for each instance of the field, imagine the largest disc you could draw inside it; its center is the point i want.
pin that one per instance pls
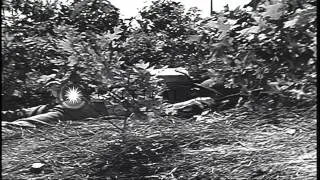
(233, 144)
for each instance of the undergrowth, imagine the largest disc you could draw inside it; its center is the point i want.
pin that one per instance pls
(233, 144)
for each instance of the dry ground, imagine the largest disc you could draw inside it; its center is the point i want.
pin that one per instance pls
(234, 144)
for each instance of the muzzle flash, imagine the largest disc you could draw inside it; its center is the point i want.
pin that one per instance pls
(71, 97)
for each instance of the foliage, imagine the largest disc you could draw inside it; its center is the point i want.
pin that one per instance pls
(273, 50)
(163, 36)
(27, 49)
(69, 52)
(164, 16)
(267, 49)
(95, 15)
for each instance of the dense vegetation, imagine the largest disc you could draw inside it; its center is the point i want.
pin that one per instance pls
(267, 49)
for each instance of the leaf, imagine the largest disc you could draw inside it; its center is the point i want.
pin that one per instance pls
(290, 23)
(224, 29)
(314, 49)
(17, 93)
(194, 38)
(253, 3)
(46, 78)
(250, 30)
(79, 6)
(115, 35)
(142, 65)
(273, 11)
(220, 25)
(66, 45)
(72, 61)
(159, 45)
(306, 16)
(117, 30)
(262, 37)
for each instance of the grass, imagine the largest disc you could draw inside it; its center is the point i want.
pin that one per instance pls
(233, 144)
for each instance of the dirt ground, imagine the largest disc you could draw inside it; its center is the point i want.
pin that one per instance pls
(233, 144)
